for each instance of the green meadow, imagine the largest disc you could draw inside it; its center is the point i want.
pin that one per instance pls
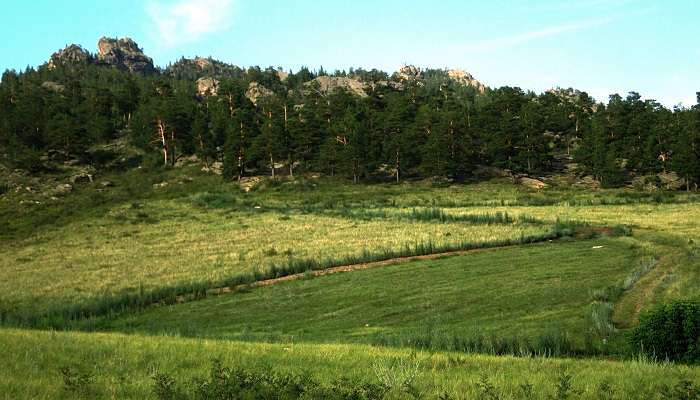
(516, 293)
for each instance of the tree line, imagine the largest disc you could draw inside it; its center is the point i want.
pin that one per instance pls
(426, 127)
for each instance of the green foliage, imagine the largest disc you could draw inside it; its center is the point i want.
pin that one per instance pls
(670, 331)
(226, 383)
(438, 128)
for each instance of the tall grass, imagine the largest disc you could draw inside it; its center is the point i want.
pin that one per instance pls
(437, 215)
(550, 344)
(601, 308)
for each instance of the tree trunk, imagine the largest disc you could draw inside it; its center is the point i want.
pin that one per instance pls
(398, 166)
(201, 146)
(240, 154)
(354, 170)
(161, 133)
(173, 153)
(272, 166)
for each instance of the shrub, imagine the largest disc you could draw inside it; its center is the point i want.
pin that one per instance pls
(670, 331)
(235, 383)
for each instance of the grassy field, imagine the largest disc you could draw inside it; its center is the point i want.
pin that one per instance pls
(506, 293)
(168, 242)
(123, 366)
(123, 248)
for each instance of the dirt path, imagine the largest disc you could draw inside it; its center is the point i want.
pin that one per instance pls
(629, 307)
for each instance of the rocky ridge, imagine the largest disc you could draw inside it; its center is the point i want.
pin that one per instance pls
(124, 54)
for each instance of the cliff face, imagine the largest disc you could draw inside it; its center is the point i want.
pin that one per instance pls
(124, 54)
(465, 78)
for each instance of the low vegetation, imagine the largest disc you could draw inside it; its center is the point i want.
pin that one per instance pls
(55, 365)
(181, 266)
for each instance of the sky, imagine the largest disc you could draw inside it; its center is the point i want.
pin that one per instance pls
(599, 46)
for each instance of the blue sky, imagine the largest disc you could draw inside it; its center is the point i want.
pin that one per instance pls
(601, 46)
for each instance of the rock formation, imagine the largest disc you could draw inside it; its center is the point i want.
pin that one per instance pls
(53, 86)
(124, 54)
(72, 54)
(207, 86)
(466, 79)
(328, 84)
(257, 91)
(408, 72)
(199, 67)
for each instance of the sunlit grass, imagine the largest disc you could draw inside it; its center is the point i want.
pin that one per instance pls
(122, 366)
(167, 242)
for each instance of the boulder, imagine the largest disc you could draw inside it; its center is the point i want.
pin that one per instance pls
(671, 181)
(53, 87)
(257, 91)
(588, 182)
(81, 178)
(216, 168)
(124, 54)
(249, 183)
(532, 183)
(62, 189)
(189, 160)
(207, 86)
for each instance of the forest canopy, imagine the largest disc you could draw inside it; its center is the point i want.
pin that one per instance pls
(357, 124)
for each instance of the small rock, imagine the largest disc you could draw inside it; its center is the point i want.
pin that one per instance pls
(63, 189)
(107, 184)
(532, 183)
(160, 185)
(216, 168)
(81, 178)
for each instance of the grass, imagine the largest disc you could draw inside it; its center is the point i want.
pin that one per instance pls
(167, 243)
(111, 252)
(523, 292)
(124, 367)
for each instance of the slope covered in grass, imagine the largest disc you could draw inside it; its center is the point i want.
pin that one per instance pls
(527, 292)
(160, 243)
(124, 366)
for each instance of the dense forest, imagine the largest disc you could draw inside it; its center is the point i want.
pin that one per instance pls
(396, 126)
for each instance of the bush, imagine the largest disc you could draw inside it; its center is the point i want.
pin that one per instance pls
(235, 383)
(670, 331)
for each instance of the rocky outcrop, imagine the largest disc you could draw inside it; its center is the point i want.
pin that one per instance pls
(53, 86)
(282, 75)
(532, 183)
(328, 84)
(199, 67)
(408, 72)
(207, 86)
(124, 54)
(257, 91)
(71, 55)
(466, 79)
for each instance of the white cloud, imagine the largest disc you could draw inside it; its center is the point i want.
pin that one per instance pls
(187, 21)
(503, 42)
